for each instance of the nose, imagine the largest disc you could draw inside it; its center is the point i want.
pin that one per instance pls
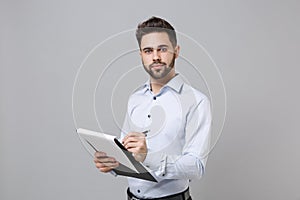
(156, 55)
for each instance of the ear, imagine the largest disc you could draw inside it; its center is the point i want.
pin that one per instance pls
(176, 51)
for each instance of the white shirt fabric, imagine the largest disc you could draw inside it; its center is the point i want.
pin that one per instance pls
(178, 119)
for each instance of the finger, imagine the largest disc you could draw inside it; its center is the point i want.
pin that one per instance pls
(133, 139)
(141, 147)
(107, 165)
(130, 145)
(133, 150)
(133, 134)
(99, 154)
(105, 160)
(106, 168)
(141, 140)
(137, 151)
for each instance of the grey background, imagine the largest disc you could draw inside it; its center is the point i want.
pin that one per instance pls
(254, 43)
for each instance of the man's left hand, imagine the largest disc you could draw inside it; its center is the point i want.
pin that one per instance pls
(136, 143)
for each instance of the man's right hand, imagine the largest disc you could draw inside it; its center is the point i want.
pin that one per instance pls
(105, 163)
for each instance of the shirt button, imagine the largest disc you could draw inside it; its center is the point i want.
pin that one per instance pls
(154, 98)
(149, 116)
(163, 174)
(138, 191)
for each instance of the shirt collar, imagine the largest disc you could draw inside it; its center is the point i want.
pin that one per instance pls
(175, 83)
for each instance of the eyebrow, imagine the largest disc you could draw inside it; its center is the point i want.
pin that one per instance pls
(159, 46)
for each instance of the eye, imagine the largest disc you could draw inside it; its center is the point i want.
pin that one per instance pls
(164, 49)
(148, 51)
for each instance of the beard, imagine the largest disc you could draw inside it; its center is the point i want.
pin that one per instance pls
(162, 72)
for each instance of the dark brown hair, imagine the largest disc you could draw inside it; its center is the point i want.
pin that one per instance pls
(155, 24)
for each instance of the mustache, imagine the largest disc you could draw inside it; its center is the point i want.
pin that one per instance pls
(155, 63)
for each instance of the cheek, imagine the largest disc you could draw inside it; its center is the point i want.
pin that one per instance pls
(167, 58)
(146, 60)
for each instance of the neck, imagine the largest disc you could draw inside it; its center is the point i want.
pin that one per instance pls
(157, 84)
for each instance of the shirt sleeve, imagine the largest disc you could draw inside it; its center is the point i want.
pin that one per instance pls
(191, 163)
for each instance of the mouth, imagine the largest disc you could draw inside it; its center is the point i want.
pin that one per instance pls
(156, 66)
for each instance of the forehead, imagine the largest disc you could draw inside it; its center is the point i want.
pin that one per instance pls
(155, 39)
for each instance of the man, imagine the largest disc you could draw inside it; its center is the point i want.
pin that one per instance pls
(176, 116)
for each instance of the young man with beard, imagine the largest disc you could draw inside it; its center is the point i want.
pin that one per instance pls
(177, 115)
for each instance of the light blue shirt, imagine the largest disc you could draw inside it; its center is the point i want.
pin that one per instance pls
(179, 120)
